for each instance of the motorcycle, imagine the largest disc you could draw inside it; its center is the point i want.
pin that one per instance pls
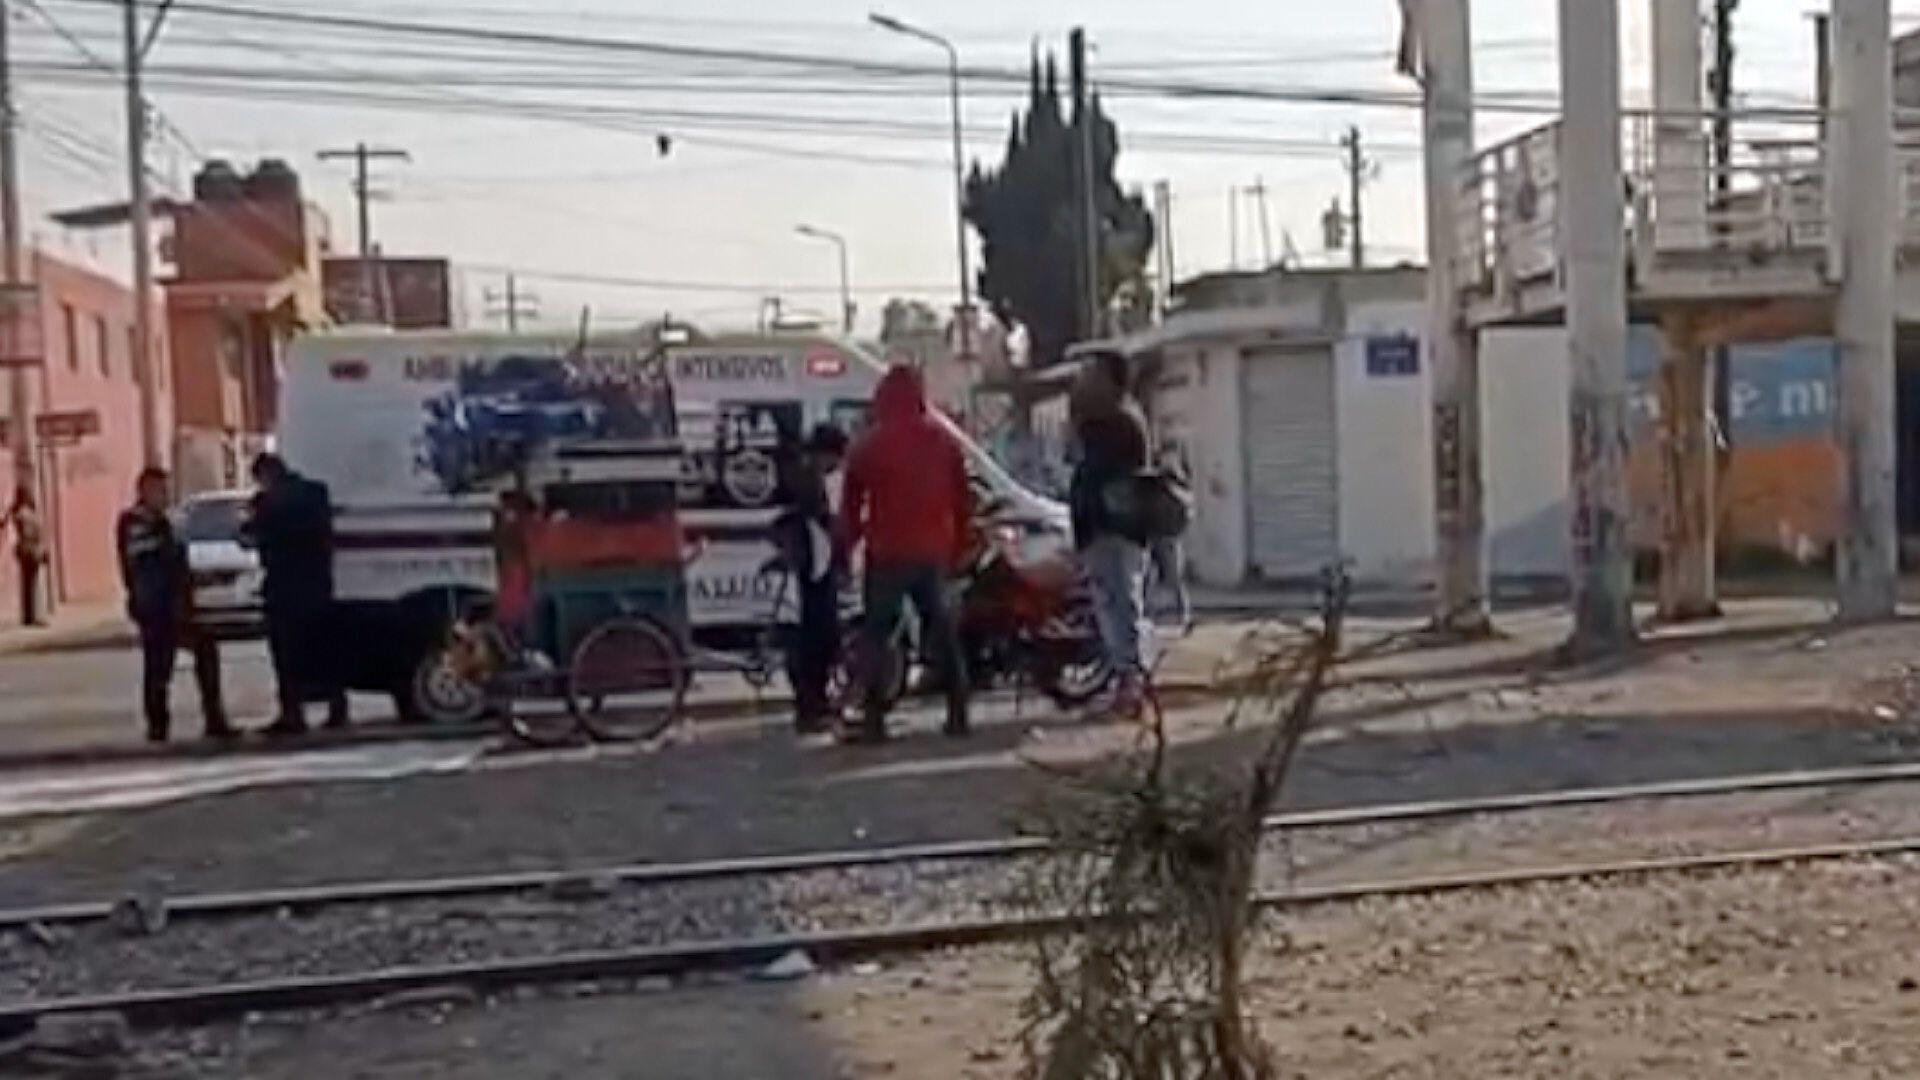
(1031, 624)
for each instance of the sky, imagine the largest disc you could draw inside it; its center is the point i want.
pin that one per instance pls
(544, 160)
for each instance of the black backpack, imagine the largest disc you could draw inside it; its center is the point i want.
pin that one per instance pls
(1150, 505)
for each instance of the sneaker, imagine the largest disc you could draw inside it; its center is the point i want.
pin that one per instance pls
(286, 727)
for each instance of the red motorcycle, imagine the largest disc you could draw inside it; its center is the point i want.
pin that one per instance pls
(1031, 623)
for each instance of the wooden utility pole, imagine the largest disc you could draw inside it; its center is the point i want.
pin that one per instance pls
(1358, 168)
(1862, 201)
(363, 194)
(512, 304)
(140, 218)
(1593, 248)
(13, 315)
(1444, 32)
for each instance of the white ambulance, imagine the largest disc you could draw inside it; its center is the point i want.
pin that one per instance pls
(401, 427)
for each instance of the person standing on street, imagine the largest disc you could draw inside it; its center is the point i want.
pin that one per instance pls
(29, 553)
(804, 534)
(292, 526)
(153, 567)
(1112, 438)
(1168, 557)
(908, 500)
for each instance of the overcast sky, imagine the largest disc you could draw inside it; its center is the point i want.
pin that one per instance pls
(712, 224)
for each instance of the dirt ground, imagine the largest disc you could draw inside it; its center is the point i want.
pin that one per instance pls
(1783, 973)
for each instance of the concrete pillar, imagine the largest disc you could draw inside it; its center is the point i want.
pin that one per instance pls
(1460, 523)
(1679, 131)
(1593, 251)
(1687, 466)
(1861, 179)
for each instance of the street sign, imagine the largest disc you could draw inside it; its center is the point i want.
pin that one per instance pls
(67, 427)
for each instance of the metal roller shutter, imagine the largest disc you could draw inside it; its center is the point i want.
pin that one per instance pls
(1293, 495)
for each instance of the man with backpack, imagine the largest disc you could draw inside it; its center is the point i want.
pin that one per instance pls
(1111, 435)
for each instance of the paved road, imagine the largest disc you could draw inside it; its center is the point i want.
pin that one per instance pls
(90, 697)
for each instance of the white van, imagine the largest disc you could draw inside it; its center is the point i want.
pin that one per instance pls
(360, 411)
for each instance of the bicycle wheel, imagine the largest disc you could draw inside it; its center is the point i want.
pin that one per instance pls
(847, 688)
(628, 680)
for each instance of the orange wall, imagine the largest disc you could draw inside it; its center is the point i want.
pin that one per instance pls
(1781, 495)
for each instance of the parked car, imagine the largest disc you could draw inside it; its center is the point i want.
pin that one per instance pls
(226, 572)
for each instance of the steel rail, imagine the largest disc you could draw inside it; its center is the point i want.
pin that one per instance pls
(191, 1005)
(308, 898)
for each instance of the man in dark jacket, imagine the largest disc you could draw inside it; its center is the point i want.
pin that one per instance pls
(907, 499)
(292, 527)
(1112, 438)
(805, 537)
(153, 566)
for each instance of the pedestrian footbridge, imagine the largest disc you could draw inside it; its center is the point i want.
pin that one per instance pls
(1751, 241)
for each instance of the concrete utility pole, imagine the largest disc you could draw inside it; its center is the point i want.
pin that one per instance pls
(1233, 226)
(1862, 207)
(1163, 248)
(1086, 189)
(140, 216)
(1688, 507)
(1593, 247)
(363, 194)
(1358, 168)
(1444, 32)
(19, 378)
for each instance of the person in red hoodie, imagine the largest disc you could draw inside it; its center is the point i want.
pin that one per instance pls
(906, 497)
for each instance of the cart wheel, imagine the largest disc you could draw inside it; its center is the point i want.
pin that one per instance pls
(628, 680)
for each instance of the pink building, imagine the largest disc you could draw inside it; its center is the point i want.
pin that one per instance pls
(78, 344)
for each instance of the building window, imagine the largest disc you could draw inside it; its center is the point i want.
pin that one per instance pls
(71, 322)
(106, 347)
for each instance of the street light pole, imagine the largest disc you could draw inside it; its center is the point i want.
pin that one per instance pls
(846, 287)
(888, 22)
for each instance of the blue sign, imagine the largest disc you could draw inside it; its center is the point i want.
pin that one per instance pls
(1393, 356)
(1778, 392)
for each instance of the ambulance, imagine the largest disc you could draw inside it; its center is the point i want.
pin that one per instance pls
(414, 434)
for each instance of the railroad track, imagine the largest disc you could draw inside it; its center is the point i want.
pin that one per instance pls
(207, 1003)
(309, 898)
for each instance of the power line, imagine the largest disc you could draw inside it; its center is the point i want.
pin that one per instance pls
(542, 39)
(223, 84)
(670, 285)
(102, 64)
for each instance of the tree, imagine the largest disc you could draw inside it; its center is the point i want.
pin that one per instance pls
(1027, 214)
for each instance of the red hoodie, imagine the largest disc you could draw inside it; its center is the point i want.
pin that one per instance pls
(906, 490)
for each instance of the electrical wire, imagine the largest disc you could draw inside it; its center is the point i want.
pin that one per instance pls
(669, 285)
(1193, 90)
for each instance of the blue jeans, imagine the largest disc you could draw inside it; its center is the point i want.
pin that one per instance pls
(1117, 569)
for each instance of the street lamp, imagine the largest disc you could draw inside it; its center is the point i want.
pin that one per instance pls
(888, 22)
(846, 290)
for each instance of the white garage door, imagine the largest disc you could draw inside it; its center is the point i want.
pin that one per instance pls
(1293, 495)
